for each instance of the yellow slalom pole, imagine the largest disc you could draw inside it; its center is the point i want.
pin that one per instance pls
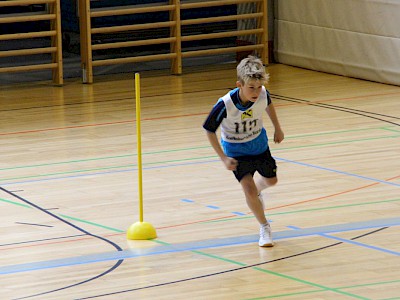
(139, 145)
(140, 230)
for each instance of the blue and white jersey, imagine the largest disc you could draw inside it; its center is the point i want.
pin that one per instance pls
(242, 131)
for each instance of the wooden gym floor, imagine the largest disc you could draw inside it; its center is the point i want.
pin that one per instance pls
(69, 191)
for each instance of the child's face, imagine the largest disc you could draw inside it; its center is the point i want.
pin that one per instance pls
(249, 91)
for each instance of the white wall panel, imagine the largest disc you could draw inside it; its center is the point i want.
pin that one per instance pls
(356, 38)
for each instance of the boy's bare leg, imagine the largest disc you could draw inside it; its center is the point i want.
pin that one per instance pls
(262, 183)
(251, 193)
(256, 206)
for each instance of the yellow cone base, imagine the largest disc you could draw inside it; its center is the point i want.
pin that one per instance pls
(141, 231)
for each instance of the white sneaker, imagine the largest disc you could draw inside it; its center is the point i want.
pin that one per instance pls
(265, 236)
(261, 200)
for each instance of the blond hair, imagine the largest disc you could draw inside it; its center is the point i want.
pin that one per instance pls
(251, 68)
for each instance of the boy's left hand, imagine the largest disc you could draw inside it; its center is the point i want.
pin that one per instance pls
(278, 136)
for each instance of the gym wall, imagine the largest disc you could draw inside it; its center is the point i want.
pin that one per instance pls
(355, 38)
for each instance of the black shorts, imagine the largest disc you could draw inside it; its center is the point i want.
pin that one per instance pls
(263, 163)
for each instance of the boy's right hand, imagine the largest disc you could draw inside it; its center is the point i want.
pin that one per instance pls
(230, 163)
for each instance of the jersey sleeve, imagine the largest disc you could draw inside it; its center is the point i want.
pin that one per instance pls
(214, 119)
(269, 101)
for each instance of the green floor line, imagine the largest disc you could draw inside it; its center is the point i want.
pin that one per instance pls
(15, 203)
(369, 284)
(66, 217)
(336, 143)
(105, 168)
(333, 132)
(92, 223)
(172, 161)
(391, 129)
(222, 220)
(311, 283)
(320, 290)
(321, 287)
(102, 158)
(219, 258)
(304, 210)
(286, 295)
(205, 147)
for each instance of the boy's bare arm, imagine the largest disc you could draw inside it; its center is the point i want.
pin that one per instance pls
(230, 163)
(278, 135)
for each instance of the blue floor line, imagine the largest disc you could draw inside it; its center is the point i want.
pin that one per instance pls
(339, 172)
(194, 163)
(347, 241)
(198, 245)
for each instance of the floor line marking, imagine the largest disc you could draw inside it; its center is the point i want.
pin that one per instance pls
(204, 244)
(33, 224)
(353, 242)
(337, 171)
(195, 163)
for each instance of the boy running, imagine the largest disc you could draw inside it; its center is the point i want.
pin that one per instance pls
(244, 139)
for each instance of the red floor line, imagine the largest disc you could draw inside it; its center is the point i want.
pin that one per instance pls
(194, 222)
(98, 124)
(323, 197)
(334, 99)
(172, 117)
